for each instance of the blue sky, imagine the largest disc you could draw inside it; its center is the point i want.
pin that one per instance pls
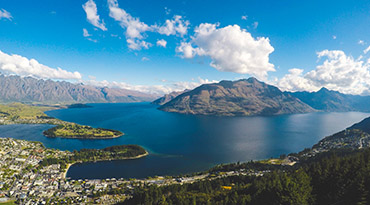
(51, 32)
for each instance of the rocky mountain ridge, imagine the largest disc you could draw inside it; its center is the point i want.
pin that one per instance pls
(31, 90)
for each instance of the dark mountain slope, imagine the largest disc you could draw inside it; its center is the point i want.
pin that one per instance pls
(168, 97)
(333, 101)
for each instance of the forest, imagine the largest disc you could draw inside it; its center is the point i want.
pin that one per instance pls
(90, 155)
(336, 177)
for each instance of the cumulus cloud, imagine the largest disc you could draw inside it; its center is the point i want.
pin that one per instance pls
(5, 14)
(334, 37)
(16, 64)
(152, 89)
(361, 42)
(296, 81)
(338, 72)
(244, 17)
(92, 15)
(174, 26)
(255, 24)
(162, 43)
(231, 49)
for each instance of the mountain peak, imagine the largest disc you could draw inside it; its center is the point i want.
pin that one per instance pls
(241, 97)
(323, 89)
(252, 79)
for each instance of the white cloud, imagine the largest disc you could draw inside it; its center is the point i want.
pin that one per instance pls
(5, 14)
(167, 10)
(134, 27)
(367, 50)
(85, 33)
(145, 59)
(152, 89)
(92, 15)
(16, 64)
(174, 26)
(361, 42)
(334, 37)
(255, 24)
(162, 43)
(338, 72)
(231, 49)
(245, 17)
(295, 81)
(92, 40)
(136, 44)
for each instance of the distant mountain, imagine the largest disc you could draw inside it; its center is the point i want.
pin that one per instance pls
(168, 97)
(28, 89)
(333, 101)
(232, 98)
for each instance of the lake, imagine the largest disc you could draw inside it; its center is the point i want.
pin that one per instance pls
(180, 144)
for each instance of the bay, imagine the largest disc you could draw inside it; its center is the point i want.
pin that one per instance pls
(180, 144)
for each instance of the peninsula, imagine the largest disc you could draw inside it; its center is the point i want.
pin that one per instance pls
(18, 113)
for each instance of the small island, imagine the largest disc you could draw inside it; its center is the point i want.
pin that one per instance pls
(78, 105)
(72, 130)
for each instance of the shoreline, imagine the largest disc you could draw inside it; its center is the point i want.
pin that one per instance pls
(66, 171)
(126, 158)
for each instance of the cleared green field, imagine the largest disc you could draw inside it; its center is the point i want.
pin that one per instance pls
(8, 203)
(22, 111)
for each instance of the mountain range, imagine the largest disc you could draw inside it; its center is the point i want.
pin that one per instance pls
(31, 90)
(333, 101)
(252, 97)
(230, 98)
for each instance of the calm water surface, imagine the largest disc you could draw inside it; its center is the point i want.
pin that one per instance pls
(181, 144)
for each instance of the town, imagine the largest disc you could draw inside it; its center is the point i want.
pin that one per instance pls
(23, 180)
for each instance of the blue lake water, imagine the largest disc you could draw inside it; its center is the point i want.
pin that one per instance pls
(180, 144)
